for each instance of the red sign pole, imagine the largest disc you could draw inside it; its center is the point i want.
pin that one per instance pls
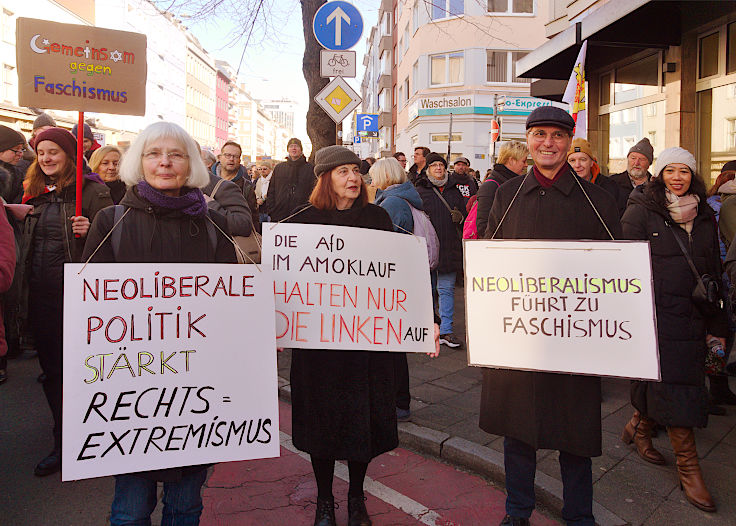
(80, 164)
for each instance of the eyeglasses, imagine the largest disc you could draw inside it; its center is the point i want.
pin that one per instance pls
(19, 151)
(230, 156)
(156, 155)
(541, 135)
(437, 164)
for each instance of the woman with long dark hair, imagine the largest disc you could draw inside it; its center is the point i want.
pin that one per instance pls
(54, 235)
(671, 213)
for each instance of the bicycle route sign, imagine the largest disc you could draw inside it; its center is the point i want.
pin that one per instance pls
(337, 63)
(337, 25)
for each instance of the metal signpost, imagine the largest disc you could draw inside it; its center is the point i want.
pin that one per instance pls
(338, 26)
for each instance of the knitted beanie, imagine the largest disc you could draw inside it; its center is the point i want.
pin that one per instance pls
(671, 156)
(296, 141)
(729, 166)
(61, 137)
(44, 119)
(434, 157)
(580, 145)
(645, 148)
(331, 157)
(10, 138)
(87, 132)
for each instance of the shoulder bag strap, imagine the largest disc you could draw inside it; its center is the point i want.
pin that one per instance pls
(441, 198)
(216, 188)
(116, 232)
(685, 253)
(592, 205)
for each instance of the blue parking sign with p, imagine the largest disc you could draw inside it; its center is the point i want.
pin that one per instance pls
(367, 122)
(337, 25)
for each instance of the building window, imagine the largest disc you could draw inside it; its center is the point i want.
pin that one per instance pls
(500, 66)
(406, 88)
(8, 82)
(447, 68)
(414, 77)
(708, 56)
(731, 48)
(447, 8)
(401, 97)
(8, 27)
(511, 6)
(442, 137)
(407, 39)
(731, 134)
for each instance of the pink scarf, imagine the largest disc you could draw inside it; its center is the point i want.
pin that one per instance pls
(683, 209)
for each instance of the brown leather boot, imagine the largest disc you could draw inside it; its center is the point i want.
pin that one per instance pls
(639, 431)
(691, 478)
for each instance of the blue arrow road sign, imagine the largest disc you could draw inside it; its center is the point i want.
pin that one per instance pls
(367, 122)
(337, 25)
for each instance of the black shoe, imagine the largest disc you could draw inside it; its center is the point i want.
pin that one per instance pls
(3, 376)
(357, 514)
(325, 515)
(41, 378)
(49, 465)
(450, 340)
(508, 520)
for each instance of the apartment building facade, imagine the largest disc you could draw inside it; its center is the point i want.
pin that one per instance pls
(201, 76)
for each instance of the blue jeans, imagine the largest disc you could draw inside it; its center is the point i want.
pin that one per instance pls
(520, 462)
(135, 499)
(443, 288)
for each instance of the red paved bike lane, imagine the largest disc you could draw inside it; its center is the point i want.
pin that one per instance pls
(403, 489)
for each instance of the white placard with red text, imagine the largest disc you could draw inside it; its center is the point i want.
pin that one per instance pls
(581, 307)
(167, 365)
(339, 287)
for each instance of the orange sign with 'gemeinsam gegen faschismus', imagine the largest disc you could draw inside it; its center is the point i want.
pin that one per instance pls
(81, 68)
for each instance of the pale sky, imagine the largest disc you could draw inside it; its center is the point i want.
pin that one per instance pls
(272, 65)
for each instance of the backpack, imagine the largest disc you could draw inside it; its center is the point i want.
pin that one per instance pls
(423, 228)
(470, 230)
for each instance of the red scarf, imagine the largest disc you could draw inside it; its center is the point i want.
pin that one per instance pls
(548, 183)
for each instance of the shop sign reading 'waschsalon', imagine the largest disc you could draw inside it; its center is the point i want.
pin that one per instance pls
(82, 68)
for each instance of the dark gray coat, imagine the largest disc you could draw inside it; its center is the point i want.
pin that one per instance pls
(230, 202)
(681, 399)
(547, 410)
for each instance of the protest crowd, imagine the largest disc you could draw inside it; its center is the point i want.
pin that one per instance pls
(165, 200)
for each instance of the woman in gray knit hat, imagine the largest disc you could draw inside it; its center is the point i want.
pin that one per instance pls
(343, 402)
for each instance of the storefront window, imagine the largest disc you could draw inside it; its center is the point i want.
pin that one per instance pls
(708, 56)
(636, 80)
(717, 130)
(629, 126)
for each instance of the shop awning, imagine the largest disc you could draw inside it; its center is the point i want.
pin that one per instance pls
(616, 30)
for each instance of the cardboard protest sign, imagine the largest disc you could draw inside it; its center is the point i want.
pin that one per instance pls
(167, 365)
(81, 68)
(339, 287)
(584, 307)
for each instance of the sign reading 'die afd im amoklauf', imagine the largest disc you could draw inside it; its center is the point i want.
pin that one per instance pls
(582, 307)
(339, 287)
(80, 68)
(167, 365)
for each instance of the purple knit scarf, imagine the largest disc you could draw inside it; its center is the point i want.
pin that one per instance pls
(191, 203)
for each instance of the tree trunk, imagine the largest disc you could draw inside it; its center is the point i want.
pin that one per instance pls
(320, 127)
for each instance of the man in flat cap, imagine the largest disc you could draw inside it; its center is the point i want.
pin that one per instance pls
(465, 182)
(536, 410)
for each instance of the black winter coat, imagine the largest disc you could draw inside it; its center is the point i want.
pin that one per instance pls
(153, 234)
(451, 248)
(547, 410)
(681, 399)
(291, 184)
(487, 192)
(11, 181)
(618, 194)
(344, 402)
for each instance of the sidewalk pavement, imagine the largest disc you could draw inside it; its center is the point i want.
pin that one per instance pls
(627, 490)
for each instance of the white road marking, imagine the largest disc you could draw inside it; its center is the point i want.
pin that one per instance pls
(375, 488)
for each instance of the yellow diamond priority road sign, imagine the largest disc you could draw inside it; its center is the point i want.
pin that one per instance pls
(338, 99)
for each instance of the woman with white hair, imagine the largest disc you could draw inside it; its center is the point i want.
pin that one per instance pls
(164, 219)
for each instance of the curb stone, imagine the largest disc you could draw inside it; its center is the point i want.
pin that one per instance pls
(480, 459)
